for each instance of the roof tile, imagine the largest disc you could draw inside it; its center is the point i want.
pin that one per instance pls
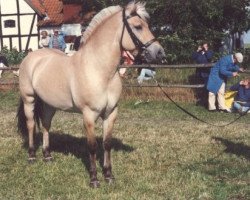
(53, 9)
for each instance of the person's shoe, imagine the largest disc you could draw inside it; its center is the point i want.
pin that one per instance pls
(214, 110)
(138, 102)
(16, 73)
(139, 81)
(225, 110)
(240, 111)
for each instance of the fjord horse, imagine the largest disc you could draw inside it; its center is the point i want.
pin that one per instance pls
(87, 82)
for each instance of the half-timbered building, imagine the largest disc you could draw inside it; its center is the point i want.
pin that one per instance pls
(21, 21)
(18, 25)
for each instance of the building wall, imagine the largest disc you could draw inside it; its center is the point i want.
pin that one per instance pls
(24, 34)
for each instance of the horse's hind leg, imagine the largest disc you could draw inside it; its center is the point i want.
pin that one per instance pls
(29, 104)
(108, 124)
(47, 115)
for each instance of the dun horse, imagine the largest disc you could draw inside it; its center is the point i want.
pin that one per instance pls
(87, 83)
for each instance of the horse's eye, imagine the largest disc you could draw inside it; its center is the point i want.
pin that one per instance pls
(139, 27)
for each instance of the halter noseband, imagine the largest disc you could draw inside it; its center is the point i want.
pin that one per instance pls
(135, 39)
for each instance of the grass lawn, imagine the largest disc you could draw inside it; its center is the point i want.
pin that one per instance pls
(159, 152)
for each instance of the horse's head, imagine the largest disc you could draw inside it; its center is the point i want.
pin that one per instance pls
(136, 33)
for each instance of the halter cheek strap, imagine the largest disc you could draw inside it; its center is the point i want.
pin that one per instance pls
(134, 38)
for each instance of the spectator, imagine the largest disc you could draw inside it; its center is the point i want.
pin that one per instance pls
(146, 74)
(57, 41)
(3, 63)
(203, 56)
(79, 40)
(226, 67)
(44, 41)
(242, 99)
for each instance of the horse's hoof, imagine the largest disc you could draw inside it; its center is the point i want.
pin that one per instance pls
(94, 184)
(31, 160)
(48, 159)
(109, 180)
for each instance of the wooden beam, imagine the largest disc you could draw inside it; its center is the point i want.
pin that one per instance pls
(31, 28)
(19, 24)
(14, 14)
(167, 66)
(26, 35)
(1, 25)
(165, 85)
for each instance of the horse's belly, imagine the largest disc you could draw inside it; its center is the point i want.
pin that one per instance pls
(60, 99)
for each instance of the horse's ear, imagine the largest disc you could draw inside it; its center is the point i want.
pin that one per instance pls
(137, 8)
(131, 8)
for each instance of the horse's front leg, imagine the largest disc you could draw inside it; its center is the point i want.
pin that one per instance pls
(108, 124)
(89, 123)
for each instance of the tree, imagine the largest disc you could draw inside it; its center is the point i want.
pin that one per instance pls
(182, 24)
(196, 21)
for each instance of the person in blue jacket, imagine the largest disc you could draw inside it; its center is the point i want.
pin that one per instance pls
(57, 41)
(242, 99)
(226, 67)
(203, 56)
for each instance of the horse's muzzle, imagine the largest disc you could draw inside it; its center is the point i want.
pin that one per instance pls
(154, 54)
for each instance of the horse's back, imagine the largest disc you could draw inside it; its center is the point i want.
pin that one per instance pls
(46, 73)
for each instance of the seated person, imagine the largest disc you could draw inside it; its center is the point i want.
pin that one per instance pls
(146, 74)
(242, 99)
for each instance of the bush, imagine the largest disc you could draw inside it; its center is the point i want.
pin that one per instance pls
(13, 56)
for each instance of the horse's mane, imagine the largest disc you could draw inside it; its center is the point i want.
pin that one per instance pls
(131, 8)
(98, 19)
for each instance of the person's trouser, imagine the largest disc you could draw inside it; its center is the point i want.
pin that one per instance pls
(145, 74)
(220, 99)
(240, 107)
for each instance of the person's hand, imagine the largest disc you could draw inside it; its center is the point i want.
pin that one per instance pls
(235, 74)
(241, 69)
(199, 48)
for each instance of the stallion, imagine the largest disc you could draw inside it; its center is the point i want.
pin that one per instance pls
(87, 82)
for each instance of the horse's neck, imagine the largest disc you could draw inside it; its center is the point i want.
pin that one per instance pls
(104, 48)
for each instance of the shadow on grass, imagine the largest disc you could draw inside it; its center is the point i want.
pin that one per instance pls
(68, 144)
(238, 149)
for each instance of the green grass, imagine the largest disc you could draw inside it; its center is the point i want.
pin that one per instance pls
(158, 153)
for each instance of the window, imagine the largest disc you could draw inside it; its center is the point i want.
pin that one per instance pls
(10, 23)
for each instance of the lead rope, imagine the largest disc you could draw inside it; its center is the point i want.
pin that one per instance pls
(192, 115)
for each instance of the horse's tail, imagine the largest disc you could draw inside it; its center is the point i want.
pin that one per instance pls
(21, 118)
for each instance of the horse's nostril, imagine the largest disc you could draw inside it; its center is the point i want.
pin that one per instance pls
(161, 54)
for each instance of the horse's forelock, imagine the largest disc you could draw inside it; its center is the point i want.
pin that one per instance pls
(137, 8)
